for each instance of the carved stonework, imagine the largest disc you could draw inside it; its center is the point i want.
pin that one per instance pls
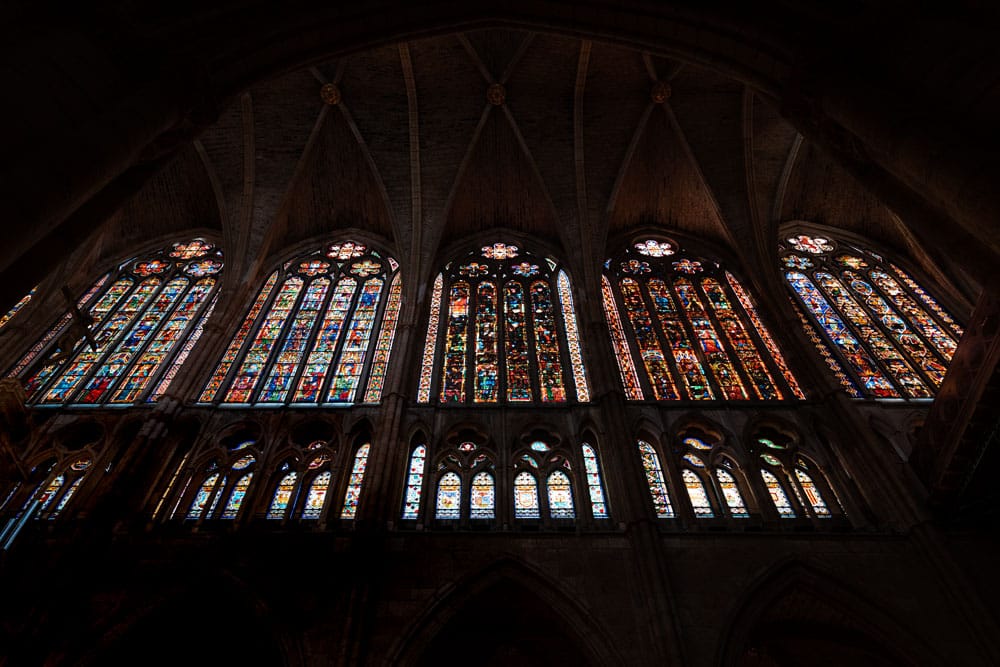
(660, 92)
(330, 94)
(496, 94)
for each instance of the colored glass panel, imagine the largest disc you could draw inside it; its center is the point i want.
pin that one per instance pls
(160, 346)
(630, 380)
(824, 351)
(560, 496)
(352, 357)
(236, 496)
(653, 248)
(114, 365)
(347, 250)
(189, 343)
(917, 316)
(927, 299)
(201, 498)
(516, 344)
(16, 307)
(107, 337)
(196, 248)
(453, 389)
(696, 492)
(550, 375)
(731, 492)
(279, 379)
(215, 383)
(812, 495)
(256, 357)
(883, 348)
(739, 339)
(376, 377)
(216, 499)
(647, 341)
(321, 356)
(482, 497)
(872, 379)
(430, 343)
(449, 497)
(715, 354)
(911, 344)
(415, 483)
(282, 496)
(66, 497)
(748, 307)
(692, 375)
(485, 390)
(573, 337)
(655, 480)
(316, 497)
(526, 496)
(500, 251)
(595, 485)
(815, 245)
(51, 491)
(353, 494)
(778, 495)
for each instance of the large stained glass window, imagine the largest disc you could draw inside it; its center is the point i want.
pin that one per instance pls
(884, 334)
(690, 327)
(503, 329)
(320, 331)
(141, 322)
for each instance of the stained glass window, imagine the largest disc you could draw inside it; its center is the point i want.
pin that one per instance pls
(282, 496)
(415, 483)
(526, 496)
(17, 307)
(731, 492)
(595, 484)
(560, 496)
(508, 332)
(656, 481)
(812, 494)
(482, 497)
(696, 493)
(319, 332)
(201, 498)
(316, 498)
(778, 495)
(882, 333)
(141, 321)
(691, 327)
(449, 497)
(353, 494)
(236, 496)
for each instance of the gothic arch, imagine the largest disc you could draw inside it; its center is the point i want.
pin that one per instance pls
(513, 574)
(834, 608)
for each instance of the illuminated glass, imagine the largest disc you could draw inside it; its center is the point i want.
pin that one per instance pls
(696, 492)
(482, 497)
(449, 497)
(376, 378)
(282, 496)
(201, 498)
(526, 496)
(650, 351)
(630, 380)
(353, 494)
(560, 496)
(731, 492)
(17, 307)
(573, 337)
(415, 483)
(316, 498)
(812, 494)
(595, 485)
(430, 345)
(236, 496)
(778, 496)
(657, 483)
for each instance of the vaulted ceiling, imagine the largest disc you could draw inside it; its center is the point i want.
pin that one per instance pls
(578, 154)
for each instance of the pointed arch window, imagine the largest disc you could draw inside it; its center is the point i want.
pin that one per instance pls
(526, 496)
(16, 308)
(884, 335)
(316, 498)
(449, 497)
(204, 494)
(415, 482)
(700, 503)
(690, 327)
(656, 481)
(282, 496)
(731, 493)
(353, 494)
(595, 483)
(319, 331)
(508, 332)
(51, 497)
(560, 492)
(482, 496)
(142, 320)
(778, 495)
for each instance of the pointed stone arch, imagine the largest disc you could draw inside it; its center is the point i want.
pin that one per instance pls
(806, 610)
(507, 577)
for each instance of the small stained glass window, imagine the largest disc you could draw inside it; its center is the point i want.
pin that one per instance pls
(353, 494)
(201, 498)
(449, 497)
(699, 498)
(595, 485)
(819, 507)
(282, 496)
(778, 495)
(560, 496)
(415, 483)
(482, 498)
(731, 492)
(236, 496)
(526, 496)
(656, 481)
(316, 498)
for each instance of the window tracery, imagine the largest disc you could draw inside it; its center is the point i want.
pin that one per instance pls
(710, 477)
(656, 481)
(308, 336)
(141, 328)
(50, 497)
(691, 327)
(789, 475)
(883, 333)
(509, 332)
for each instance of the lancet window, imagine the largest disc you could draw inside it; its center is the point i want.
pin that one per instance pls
(130, 332)
(503, 329)
(50, 498)
(319, 331)
(713, 482)
(465, 484)
(220, 489)
(683, 328)
(885, 337)
(797, 486)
